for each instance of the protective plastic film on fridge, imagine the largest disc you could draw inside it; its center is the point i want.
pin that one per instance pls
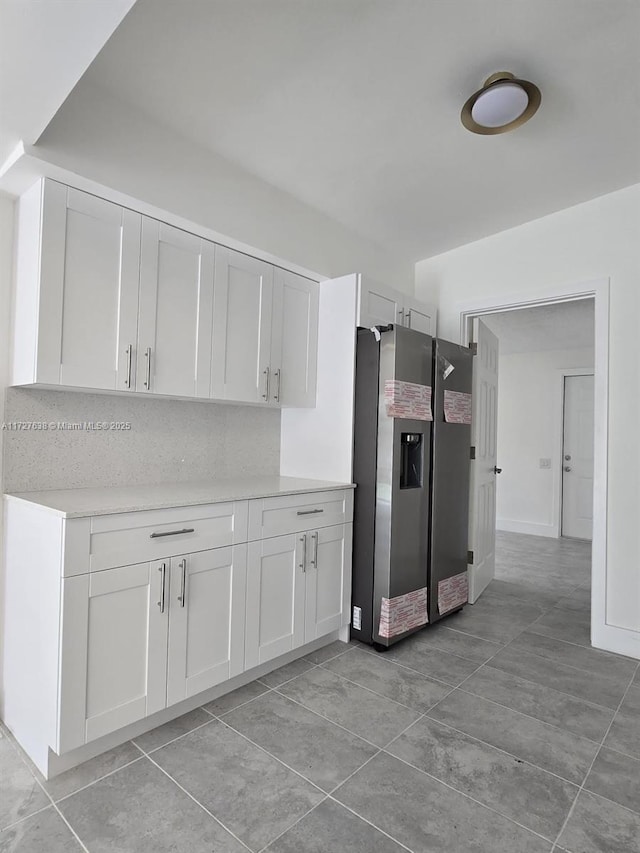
(409, 560)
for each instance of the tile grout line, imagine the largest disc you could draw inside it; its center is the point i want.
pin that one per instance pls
(502, 750)
(383, 696)
(463, 794)
(584, 782)
(529, 717)
(198, 803)
(100, 778)
(534, 653)
(50, 798)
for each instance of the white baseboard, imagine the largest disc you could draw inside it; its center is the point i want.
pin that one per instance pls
(529, 527)
(622, 641)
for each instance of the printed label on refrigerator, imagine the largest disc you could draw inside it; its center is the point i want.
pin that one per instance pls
(403, 613)
(457, 407)
(407, 400)
(453, 592)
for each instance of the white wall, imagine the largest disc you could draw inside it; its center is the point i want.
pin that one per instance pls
(6, 271)
(530, 428)
(105, 140)
(598, 239)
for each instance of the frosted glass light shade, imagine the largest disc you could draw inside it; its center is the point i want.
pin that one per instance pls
(500, 104)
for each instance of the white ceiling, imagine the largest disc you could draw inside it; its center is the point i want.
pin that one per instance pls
(352, 106)
(45, 47)
(566, 325)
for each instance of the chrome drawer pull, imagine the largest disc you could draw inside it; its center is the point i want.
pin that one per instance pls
(172, 532)
(163, 571)
(309, 511)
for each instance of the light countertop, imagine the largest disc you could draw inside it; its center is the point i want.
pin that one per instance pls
(77, 503)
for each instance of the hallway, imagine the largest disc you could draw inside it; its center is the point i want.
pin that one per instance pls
(497, 731)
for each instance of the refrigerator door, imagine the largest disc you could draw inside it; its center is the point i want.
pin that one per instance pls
(450, 479)
(402, 472)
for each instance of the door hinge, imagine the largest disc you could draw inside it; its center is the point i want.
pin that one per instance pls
(470, 558)
(472, 453)
(474, 348)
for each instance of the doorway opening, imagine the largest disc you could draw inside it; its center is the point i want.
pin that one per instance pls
(536, 547)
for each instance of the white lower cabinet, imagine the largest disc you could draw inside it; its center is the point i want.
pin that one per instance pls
(154, 633)
(206, 620)
(101, 645)
(275, 598)
(298, 589)
(115, 629)
(327, 581)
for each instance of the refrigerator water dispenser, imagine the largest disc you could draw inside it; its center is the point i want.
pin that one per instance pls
(411, 455)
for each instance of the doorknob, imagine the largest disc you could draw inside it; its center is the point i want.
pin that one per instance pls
(567, 467)
(497, 470)
(568, 457)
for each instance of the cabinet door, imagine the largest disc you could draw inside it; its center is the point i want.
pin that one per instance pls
(116, 624)
(328, 580)
(419, 316)
(275, 598)
(206, 625)
(294, 340)
(88, 290)
(378, 305)
(242, 309)
(176, 301)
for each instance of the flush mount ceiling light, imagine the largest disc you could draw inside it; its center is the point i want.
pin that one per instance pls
(503, 103)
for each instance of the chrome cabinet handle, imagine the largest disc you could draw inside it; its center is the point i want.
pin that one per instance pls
(276, 396)
(127, 381)
(308, 511)
(314, 561)
(147, 381)
(567, 468)
(303, 564)
(267, 374)
(408, 319)
(163, 570)
(401, 316)
(172, 532)
(183, 585)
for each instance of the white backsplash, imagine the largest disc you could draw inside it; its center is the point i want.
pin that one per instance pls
(169, 440)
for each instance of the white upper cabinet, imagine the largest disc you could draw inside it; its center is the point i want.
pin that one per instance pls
(112, 300)
(76, 307)
(294, 349)
(176, 302)
(382, 306)
(242, 314)
(378, 305)
(419, 316)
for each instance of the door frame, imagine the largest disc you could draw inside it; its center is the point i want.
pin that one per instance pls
(603, 635)
(558, 494)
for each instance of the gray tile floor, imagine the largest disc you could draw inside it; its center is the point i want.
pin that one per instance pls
(498, 731)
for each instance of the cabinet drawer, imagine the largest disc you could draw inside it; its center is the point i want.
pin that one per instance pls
(294, 513)
(136, 537)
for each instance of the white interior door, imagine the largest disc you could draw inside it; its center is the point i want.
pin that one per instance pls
(482, 501)
(577, 458)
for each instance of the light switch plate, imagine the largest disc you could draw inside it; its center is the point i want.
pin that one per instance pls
(545, 463)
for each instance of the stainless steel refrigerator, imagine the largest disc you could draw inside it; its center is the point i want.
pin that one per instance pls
(411, 472)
